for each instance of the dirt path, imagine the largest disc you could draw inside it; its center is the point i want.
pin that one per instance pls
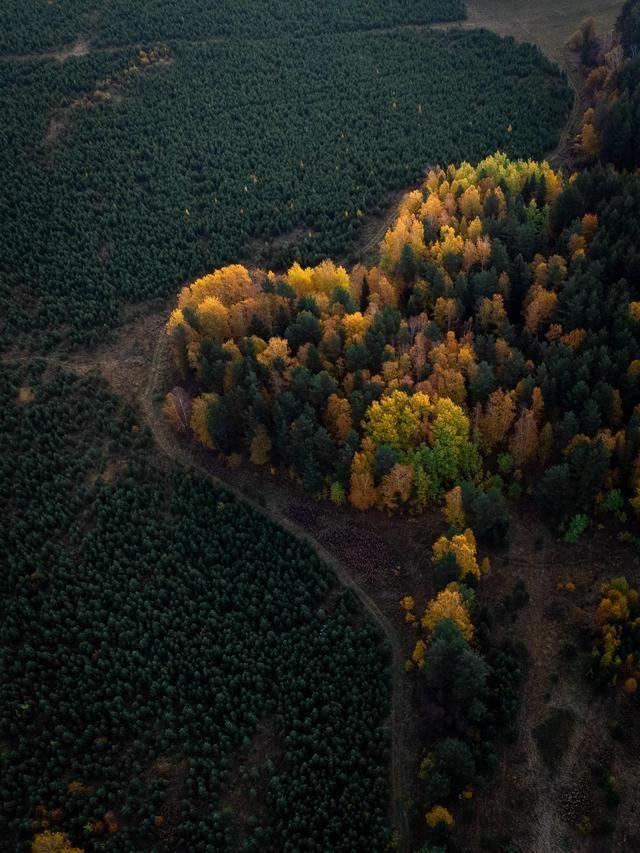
(562, 155)
(79, 48)
(187, 456)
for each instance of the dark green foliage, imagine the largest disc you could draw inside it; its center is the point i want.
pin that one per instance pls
(577, 525)
(449, 768)
(508, 663)
(574, 485)
(456, 672)
(628, 25)
(269, 144)
(482, 384)
(445, 570)
(384, 460)
(30, 26)
(516, 599)
(486, 513)
(147, 621)
(555, 494)
(480, 697)
(618, 123)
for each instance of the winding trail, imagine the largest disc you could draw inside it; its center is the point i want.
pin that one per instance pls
(187, 455)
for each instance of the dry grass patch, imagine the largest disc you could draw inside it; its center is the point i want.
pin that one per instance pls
(547, 23)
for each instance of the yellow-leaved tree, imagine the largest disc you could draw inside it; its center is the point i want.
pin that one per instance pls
(464, 549)
(448, 604)
(53, 842)
(213, 320)
(362, 493)
(199, 416)
(399, 419)
(337, 418)
(439, 815)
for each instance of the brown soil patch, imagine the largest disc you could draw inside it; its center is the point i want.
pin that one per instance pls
(25, 395)
(175, 771)
(58, 121)
(243, 796)
(80, 47)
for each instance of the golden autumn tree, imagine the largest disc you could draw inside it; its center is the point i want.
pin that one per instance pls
(199, 418)
(355, 325)
(453, 509)
(446, 312)
(53, 842)
(213, 320)
(523, 444)
(450, 424)
(399, 420)
(362, 494)
(537, 404)
(448, 604)
(437, 816)
(337, 418)
(470, 203)
(491, 312)
(228, 284)
(434, 212)
(407, 231)
(539, 309)
(463, 547)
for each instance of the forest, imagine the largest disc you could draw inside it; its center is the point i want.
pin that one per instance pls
(302, 550)
(495, 347)
(35, 27)
(154, 172)
(611, 122)
(170, 627)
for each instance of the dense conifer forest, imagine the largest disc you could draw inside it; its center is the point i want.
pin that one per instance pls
(169, 627)
(35, 27)
(155, 165)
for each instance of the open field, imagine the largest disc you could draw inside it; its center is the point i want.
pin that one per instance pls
(546, 23)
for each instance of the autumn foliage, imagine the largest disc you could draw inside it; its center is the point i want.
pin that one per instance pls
(470, 343)
(616, 654)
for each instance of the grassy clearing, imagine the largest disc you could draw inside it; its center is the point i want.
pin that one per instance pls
(546, 23)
